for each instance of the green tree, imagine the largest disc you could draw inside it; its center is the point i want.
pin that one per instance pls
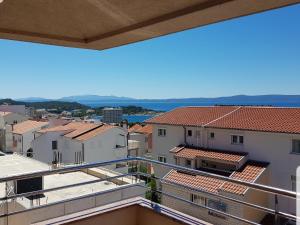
(152, 194)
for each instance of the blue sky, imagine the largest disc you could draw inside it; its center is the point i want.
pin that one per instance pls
(253, 55)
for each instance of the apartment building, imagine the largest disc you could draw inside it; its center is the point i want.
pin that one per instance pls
(267, 135)
(22, 135)
(80, 142)
(112, 115)
(140, 140)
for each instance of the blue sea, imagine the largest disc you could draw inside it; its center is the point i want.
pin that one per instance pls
(131, 118)
(169, 105)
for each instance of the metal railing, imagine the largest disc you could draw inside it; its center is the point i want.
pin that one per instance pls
(136, 175)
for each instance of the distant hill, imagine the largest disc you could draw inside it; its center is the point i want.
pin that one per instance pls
(58, 105)
(241, 99)
(96, 101)
(93, 98)
(33, 99)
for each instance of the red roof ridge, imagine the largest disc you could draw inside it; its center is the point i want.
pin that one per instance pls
(221, 117)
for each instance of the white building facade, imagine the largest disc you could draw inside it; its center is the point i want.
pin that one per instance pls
(266, 134)
(23, 136)
(78, 142)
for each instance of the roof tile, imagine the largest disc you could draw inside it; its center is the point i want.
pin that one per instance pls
(192, 116)
(192, 153)
(249, 173)
(28, 125)
(266, 119)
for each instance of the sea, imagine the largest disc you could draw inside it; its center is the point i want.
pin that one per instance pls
(167, 106)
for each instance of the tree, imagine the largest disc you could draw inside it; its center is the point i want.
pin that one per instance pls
(152, 194)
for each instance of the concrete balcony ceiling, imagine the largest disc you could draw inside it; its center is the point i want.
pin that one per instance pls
(103, 24)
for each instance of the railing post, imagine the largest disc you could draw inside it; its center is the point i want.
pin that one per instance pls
(276, 217)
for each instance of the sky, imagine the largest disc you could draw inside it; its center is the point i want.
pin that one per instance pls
(253, 55)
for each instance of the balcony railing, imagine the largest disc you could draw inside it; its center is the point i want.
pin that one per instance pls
(275, 192)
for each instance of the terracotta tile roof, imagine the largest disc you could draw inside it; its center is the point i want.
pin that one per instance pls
(146, 129)
(80, 131)
(192, 116)
(192, 153)
(134, 128)
(58, 122)
(28, 125)
(79, 128)
(72, 129)
(94, 132)
(56, 129)
(195, 181)
(268, 119)
(250, 173)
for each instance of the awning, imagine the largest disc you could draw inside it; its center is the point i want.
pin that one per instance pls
(102, 24)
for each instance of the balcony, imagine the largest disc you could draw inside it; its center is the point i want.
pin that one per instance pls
(65, 197)
(134, 211)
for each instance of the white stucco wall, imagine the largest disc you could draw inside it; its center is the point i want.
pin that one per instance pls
(42, 146)
(102, 147)
(162, 145)
(274, 148)
(26, 140)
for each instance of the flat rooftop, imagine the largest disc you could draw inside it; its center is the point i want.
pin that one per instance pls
(61, 180)
(13, 164)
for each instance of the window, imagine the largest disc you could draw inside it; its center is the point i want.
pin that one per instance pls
(188, 163)
(197, 199)
(235, 139)
(296, 146)
(212, 135)
(162, 159)
(54, 145)
(293, 180)
(162, 132)
(241, 139)
(190, 133)
(218, 205)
